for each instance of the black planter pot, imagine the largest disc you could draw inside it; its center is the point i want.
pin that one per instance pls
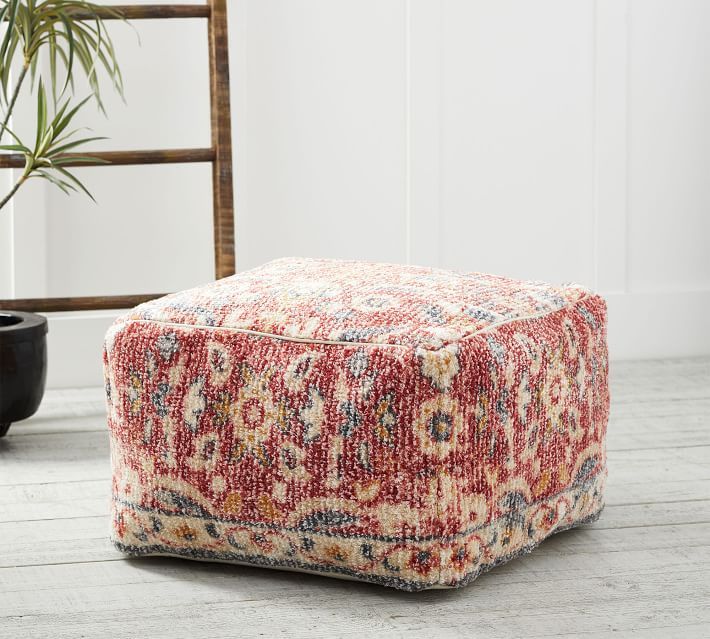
(23, 365)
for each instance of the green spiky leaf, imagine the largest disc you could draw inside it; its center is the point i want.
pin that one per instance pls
(72, 35)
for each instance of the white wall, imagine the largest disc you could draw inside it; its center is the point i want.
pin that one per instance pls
(555, 140)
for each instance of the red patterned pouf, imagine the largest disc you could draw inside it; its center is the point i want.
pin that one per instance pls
(407, 426)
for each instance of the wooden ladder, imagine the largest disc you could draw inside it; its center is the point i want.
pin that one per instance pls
(219, 154)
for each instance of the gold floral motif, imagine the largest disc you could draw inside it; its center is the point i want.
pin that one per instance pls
(232, 504)
(554, 394)
(267, 508)
(439, 425)
(440, 366)
(366, 491)
(135, 393)
(386, 420)
(254, 415)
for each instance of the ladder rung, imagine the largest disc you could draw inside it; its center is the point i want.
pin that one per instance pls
(105, 158)
(59, 304)
(148, 11)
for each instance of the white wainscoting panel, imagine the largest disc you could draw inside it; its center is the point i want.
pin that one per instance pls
(550, 140)
(516, 138)
(669, 146)
(325, 90)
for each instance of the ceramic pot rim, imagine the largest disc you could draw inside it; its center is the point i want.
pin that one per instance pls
(30, 327)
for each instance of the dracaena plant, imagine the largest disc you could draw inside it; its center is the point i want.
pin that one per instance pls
(69, 36)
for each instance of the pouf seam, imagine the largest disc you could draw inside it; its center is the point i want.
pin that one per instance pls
(325, 342)
(534, 316)
(341, 571)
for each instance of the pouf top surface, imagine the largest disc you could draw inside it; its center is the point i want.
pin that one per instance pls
(352, 301)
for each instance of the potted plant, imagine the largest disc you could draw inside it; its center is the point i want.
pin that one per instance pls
(48, 43)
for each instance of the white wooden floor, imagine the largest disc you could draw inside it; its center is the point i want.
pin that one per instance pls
(642, 570)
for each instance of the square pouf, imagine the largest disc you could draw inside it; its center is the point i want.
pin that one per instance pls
(411, 427)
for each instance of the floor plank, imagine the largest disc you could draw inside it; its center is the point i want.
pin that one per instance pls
(641, 570)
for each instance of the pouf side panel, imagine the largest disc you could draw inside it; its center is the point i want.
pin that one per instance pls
(529, 458)
(333, 479)
(401, 504)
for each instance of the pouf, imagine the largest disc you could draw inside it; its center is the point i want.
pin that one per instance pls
(407, 426)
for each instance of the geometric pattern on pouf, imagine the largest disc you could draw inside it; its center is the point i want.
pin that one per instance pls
(411, 427)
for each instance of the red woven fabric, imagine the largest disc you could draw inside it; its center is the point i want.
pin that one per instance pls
(402, 425)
